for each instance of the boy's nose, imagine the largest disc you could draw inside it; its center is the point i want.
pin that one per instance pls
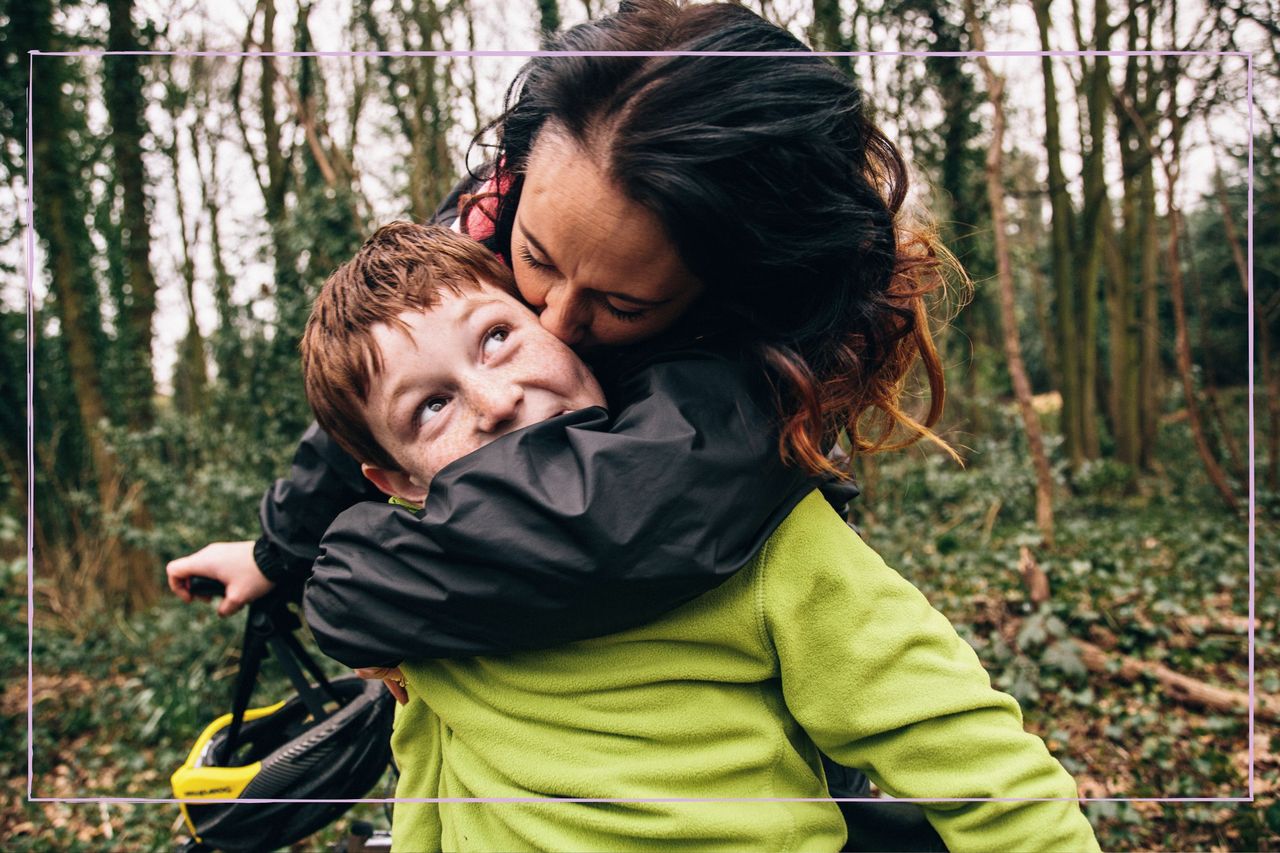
(497, 405)
(566, 315)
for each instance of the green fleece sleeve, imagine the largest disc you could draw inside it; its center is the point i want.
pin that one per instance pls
(882, 682)
(415, 743)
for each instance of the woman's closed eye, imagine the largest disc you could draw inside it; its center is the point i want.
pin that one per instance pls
(624, 316)
(528, 258)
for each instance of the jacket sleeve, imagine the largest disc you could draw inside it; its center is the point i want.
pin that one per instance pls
(323, 481)
(576, 527)
(882, 682)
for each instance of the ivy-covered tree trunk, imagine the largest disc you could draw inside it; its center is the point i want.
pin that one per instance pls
(1061, 254)
(827, 32)
(435, 105)
(280, 369)
(1124, 281)
(120, 574)
(548, 16)
(60, 223)
(1093, 230)
(122, 86)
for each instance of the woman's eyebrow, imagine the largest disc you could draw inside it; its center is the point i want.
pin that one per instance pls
(624, 297)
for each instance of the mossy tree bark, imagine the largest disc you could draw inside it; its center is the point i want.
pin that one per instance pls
(109, 569)
(122, 86)
(1061, 253)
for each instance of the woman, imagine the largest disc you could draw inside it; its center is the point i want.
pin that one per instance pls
(653, 208)
(737, 214)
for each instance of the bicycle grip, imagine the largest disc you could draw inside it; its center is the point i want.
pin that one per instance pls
(206, 587)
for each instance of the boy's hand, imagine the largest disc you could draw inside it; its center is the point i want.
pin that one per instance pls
(391, 676)
(231, 563)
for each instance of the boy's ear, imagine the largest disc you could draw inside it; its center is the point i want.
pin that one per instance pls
(396, 484)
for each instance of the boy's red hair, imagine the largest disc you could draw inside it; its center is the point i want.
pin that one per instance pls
(402, 267)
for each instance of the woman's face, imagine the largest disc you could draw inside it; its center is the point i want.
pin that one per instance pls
(596, 266)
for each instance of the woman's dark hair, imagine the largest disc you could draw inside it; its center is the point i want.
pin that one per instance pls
(777, 189)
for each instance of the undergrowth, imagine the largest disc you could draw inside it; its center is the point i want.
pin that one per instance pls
(1158, 573)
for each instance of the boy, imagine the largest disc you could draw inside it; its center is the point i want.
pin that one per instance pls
(417, 354)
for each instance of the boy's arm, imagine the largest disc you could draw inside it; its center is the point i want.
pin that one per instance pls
(415, 743)
(882, 682)
(575, 527)
(323, 481)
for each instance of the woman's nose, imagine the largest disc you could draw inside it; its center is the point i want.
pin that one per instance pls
(566, 315)
(497, 404)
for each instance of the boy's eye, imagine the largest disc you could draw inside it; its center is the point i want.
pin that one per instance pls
(494, 339)
(432, 407)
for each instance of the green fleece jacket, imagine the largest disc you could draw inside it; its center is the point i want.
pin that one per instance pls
(815, 644)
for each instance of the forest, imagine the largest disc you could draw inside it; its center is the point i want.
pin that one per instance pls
(1107, 172)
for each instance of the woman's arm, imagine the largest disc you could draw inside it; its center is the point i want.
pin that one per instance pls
(576, 527)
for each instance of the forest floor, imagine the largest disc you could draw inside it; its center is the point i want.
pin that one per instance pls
(1156, 576)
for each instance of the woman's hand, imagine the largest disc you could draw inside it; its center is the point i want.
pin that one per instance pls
(391, 676)
(231, 563)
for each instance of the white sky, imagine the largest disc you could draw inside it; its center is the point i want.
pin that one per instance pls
(241, 222)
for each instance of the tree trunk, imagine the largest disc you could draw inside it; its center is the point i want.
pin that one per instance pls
(1269, 374)
(1124, 279)
(1150, 375)
(124, 99)
(548, 17)
(1217, 417)
(1211, 467)
(227, 351)
(473, 89)
(1061, 253)
(190, 376)
(1093, 229)
(122, 574)
(1271, 386)
(290, 299)
(1004, 273)
(1122, 391)
(436, 100)
(1033, 226)
(827, 34)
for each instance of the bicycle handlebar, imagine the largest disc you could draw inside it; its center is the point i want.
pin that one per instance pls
(207, 587)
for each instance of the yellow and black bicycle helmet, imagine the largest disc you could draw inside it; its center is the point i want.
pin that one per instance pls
(331, 741)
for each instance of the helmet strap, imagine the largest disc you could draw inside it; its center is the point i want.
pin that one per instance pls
(270, 623)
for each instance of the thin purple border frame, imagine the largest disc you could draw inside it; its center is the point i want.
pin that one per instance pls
(30, 245)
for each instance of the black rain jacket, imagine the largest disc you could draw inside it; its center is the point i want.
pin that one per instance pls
(581, 526)
(576, 527)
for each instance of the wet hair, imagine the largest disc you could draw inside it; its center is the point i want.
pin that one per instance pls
(776, 188)
(401, 267)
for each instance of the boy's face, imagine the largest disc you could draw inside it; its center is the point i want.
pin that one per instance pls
(474, 368)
